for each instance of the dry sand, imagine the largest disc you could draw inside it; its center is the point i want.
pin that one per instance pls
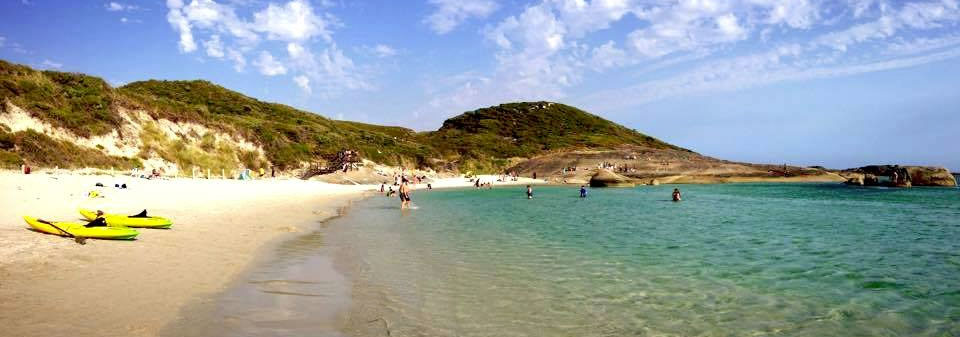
(53, 286)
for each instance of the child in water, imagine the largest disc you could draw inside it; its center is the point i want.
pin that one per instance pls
(529, 192)
(676, 194)
(583, 191)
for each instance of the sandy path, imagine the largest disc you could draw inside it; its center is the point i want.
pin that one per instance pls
(52, 286)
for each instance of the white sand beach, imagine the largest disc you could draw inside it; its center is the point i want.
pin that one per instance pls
(53, 286)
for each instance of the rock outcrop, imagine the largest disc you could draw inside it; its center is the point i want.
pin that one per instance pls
(606, 178)
(899, 176)
(931, 176)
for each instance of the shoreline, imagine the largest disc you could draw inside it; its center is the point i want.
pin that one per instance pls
(206, 315)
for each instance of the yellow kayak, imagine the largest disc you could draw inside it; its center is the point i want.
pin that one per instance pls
(75, 229)
(120, 220)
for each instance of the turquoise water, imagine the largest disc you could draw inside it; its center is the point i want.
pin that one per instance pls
(730, 260)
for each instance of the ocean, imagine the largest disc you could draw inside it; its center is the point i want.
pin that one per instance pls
(729, 260)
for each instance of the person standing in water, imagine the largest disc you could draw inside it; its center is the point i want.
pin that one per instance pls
(583, 191)
(404, 194)
(676, 194)
(529, 192)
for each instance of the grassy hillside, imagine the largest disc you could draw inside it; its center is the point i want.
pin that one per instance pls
(482, 136)
(288, 135)
(481, 140)
(81, 103)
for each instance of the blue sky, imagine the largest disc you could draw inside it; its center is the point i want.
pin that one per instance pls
(839, 83)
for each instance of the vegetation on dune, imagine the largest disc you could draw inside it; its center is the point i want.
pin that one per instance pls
(72, 101)
(41, 150)
(208, 153)
(484, 140)
(289, 136)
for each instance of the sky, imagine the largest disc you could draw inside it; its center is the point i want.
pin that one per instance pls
(838, 83)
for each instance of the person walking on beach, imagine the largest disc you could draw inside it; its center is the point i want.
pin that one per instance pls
(676, 194)
(381, 186)
(583, 191)
(529, 192)
(404, 195)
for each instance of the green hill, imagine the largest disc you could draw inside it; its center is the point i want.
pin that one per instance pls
(484, 138)
(481, 140)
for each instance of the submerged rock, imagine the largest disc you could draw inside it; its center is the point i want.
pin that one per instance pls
(606, 178)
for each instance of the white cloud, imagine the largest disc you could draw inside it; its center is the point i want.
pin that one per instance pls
(451, 13)
(546, 48)
(823, 56)
(182, 25)
(228, 36)
(303, 82)
(51, 65)
(118, 7)
(382, 50)
(922, 16)
(331, 71)
(268, 65)
(923, 45)
(747, 72)
(239, 61)
(861, 7)
(793, 13)
(214, 47)
(208, 15)
(295, 21)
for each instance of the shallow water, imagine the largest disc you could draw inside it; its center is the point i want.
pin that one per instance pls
(730, 260)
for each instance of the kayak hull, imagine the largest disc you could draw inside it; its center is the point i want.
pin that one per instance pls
(74, 229)
(119, 220)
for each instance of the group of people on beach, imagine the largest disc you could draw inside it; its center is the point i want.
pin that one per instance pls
(404, 190)
(404, 187)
